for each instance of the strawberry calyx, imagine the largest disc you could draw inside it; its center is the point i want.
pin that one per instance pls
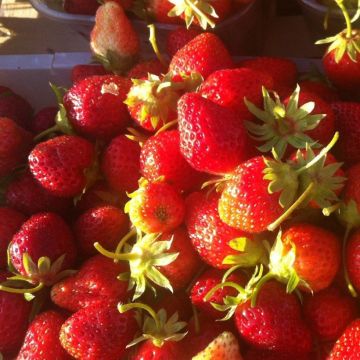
(282, 125)
(156, 327)
(144, 257)
(137, 136)
(113, 62)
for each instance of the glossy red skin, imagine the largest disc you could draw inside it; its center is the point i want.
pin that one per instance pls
(98, 332)
(209, 235)
(328, 312)
(208, 280)
(178, 38)
(26, 195)
(81, 7)
(15, 107)
(345, 75)
(10, 223)
(256, 354)
(347, 346)
(44, 119)
(245, 203)
(160, 156)
(143, 68)
(222, 9)
(121, 164)
(347, 123)
(318, 254)
(95, 283)
(43, 234)
(54, 166)
(321, 89)
(42, 338)
(170, 350)
(104, 224)
(15, 143)
(95, 112)
(212, 139)
(353, 259)
(204, 54)
(14, 318)
(275, 323)
(83, 71)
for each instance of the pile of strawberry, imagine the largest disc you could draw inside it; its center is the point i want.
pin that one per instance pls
(196, 209)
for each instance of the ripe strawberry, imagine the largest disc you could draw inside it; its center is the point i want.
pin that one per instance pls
(347, 119)
(178, 38)
(160, 156)
(95, 106)
(14, 318)
(159, 9)
(126, 4)
(26, 195)
(15, 107)
(113, 38)
(320, 89)
(10, 222)
(81, 7)
(42, 338)
(155, 207)
(328, 313)
(42, 235)
(54, 166)
(212, 238)
(15, 142)
(44, 119)
(347, 346)
(204, 54)
(352, 259)
(143, 68)
(103, 224)
(98, 332)
(212, 139)
(83, 71)
(96, 283)
(257, 354)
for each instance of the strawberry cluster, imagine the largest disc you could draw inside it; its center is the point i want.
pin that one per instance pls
(195, 209)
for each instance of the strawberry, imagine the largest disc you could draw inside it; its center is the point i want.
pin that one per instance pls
(320, 89)
(10, 222)
(155, 207)
(225, 347)
(178, 38)
(256, 354)
(15, 142)
(212, 139)
(347, 118)
(98, 332)
(95, 283)
(42, 338)
(120, 164)
(328, 313)
(213, 239)
(347, 346)
(103, 224)
(352, 259)
(160, 156)
(95, 106)
(54, 166)
(14, 318)
(204, 54)
(113, 38)
(82, 71)
(15, 107)
(81, 7)
(44, 119)
(159, 9)
(126, 4)
(26, 195)
(143, 68)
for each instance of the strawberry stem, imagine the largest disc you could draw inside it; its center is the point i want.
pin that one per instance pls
(46, 132)
(345, 12)
(346, 274)
(114, 256)
(167, 126)
(196, 319)
(220, 286)
(123, 241)
(22, 291)
(153, 42)
(258, 287)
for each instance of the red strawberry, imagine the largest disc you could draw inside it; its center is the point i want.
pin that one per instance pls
(143, 68)
(98, 332)
(83, 71)
(15, 142)
(103, 224)
(159, 10)
(113, 38)
(10, 222)
(212, 238)
(353, 259)
(121, 164)
(328, 312)
(42, 338)
(14, 318)
(212, 138)
(170, 350)
(25, 194)
(178, 38)
(126, 4)
(204, 54)
(55, 167)
(321, 89)
(96, 283)
(81, 7)
(15, 107)
(160, 156)
(95, 106)
(347, 346)
(256, 354)
(44, 119)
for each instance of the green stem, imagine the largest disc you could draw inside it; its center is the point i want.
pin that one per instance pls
(167, 126)
(292, 208)
(22, 291)
(230, 271)
(258, 287)
(346, 274)
(111, 255)
(196, 320)
(345, 12)
(123, 241)
(153, 42)
(220, 286)
(46, 132)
